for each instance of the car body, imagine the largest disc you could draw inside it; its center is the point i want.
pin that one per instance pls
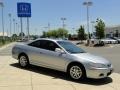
(95, 41)
(109, 41)
(116, 38)
(63, 56)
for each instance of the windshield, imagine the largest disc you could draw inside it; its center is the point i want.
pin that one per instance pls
(70, 47)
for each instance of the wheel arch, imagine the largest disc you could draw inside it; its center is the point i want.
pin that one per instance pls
(76, 63)
(22, 53)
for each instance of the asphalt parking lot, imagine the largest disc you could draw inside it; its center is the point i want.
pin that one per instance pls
(13, 77)
(111, 52)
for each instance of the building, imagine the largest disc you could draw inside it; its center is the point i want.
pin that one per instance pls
(5, 34)
(113, 31)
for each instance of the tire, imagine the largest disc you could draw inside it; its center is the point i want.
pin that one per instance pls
(76, 72)
(23, 60)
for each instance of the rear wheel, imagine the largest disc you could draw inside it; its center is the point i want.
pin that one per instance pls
(23, 61)
(76, 72)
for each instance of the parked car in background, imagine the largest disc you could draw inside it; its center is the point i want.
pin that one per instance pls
(109, 41)
(116, 38)
(63, 56)
(95, 41)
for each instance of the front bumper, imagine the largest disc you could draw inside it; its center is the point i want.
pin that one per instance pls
(98, 73)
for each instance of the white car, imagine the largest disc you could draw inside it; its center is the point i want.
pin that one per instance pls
(109, 41)
(95, 41)
(117, 38)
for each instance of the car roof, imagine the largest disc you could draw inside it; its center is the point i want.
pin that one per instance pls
(50, 39)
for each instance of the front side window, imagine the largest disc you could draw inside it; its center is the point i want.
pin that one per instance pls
(49, 45)
(70, 47)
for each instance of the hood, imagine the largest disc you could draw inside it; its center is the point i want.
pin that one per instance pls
(91, 58)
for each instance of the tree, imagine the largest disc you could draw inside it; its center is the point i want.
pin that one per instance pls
(81, 33)
(69, 36)
(22, 34)
(116, 33)
(14, 36)
(54, 33)
(100, 28)
(62, 33)
(59, 33)
(44, 34)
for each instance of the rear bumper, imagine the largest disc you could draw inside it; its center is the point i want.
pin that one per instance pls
(14, 54)
(98, 73)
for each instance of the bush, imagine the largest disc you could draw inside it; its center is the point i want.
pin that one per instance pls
(6, 41)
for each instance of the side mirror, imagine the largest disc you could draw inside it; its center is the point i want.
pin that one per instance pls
(59, 51)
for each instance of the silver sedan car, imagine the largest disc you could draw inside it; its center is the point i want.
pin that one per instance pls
(63, 56)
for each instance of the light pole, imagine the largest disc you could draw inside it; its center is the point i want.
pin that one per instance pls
(88, 4)
(92, 22)
(2, 6)
(14, 25)
(36, 32)
(45, 28)
(18, 28)
(48, 26)
(73, 29)
(28, 29)
(63, 22)
(10, 22)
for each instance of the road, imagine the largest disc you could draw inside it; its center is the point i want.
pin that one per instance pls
(112, 53)
(7, 50)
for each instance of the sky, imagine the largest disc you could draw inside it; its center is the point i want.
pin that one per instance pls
(51, 11)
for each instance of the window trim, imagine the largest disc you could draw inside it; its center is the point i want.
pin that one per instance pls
(29, 44)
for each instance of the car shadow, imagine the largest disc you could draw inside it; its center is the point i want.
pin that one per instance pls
(61, 75)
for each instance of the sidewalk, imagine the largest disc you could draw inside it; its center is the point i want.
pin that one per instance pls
(12, 77)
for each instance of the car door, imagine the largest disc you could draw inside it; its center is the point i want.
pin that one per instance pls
(51, 58)
(44, 55)
(34, 52)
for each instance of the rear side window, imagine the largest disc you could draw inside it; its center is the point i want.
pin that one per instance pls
(35, 44)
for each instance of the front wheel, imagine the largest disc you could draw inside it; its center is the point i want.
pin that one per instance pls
(76, 72)
(23, 61)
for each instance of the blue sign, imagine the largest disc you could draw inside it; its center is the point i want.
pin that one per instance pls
(23, 9)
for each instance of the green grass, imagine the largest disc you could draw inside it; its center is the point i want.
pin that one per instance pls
(2, 43)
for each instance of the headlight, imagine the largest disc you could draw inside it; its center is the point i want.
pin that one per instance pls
(97, 65)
